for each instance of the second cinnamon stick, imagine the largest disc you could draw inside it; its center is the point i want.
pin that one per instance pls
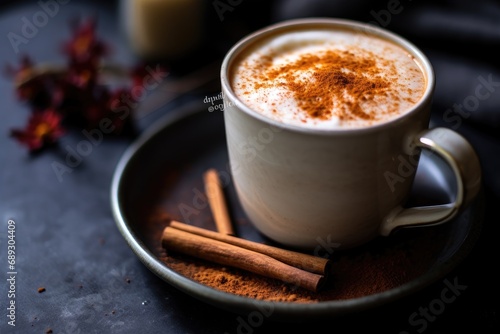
(307, 262)
(217, 203)
(238, 257)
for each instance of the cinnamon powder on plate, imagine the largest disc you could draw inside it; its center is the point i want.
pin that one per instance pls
(379, 266)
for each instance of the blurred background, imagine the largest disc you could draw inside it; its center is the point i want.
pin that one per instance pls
(186, 40)
(459, 36)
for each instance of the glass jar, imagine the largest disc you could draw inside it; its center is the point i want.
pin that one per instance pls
(163, 29)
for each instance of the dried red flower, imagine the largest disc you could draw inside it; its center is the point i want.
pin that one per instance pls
(43, 129)
(85, 52)
(75, 93)
(82, 75)
(30, 87)
(85, 47)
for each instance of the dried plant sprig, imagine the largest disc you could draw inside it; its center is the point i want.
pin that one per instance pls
(75, 94)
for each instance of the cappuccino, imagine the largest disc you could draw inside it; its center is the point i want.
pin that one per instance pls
(350, 102)
(327, 78)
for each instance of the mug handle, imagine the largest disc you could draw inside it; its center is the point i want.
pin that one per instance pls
(464, 162)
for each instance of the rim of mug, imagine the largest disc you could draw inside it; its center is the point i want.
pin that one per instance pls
(422, 60)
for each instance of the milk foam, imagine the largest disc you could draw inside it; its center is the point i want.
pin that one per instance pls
(270, 96)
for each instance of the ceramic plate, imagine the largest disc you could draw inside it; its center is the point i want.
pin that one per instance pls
(162, 172)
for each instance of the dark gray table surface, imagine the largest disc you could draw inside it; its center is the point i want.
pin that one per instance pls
(67, 240)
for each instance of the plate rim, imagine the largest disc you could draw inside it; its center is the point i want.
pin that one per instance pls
(241, 304)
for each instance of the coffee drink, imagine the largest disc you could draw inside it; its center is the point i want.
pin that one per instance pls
(328, 78)
(324, 124)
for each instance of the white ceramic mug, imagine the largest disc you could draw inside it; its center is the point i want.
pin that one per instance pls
(299, 186)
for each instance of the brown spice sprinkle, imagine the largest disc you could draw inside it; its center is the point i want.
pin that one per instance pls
(41, 289)
(336, 76)
(380, 266)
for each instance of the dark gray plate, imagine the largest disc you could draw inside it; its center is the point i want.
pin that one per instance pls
(163, 169)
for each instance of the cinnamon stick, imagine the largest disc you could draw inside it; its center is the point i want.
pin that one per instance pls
(218, 206)
(314, 264)
(227, 254)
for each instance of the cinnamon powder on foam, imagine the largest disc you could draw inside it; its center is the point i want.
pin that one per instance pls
(338, 83)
